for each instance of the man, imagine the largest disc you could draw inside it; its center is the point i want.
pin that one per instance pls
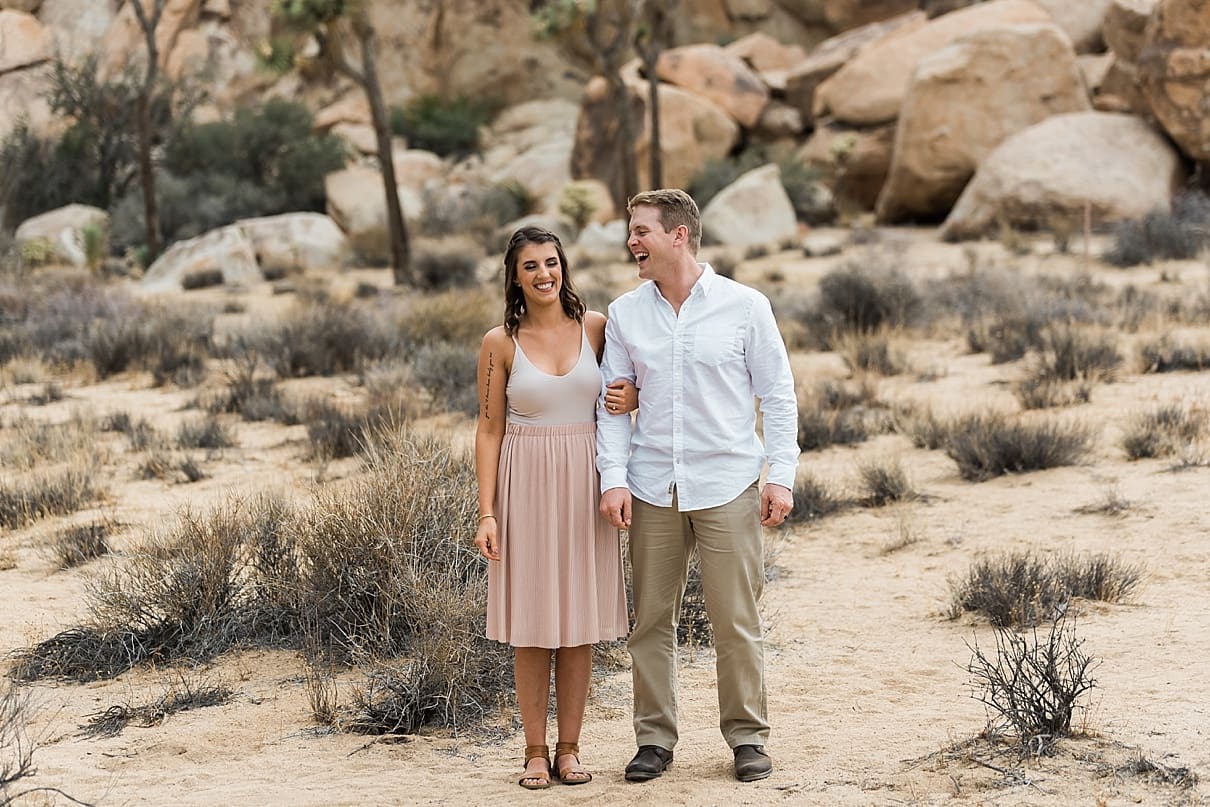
(700, 347)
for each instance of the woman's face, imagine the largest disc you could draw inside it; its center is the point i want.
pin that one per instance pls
(539, 273)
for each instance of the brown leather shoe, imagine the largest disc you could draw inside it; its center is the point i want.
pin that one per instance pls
(752, 763)
(648, 763)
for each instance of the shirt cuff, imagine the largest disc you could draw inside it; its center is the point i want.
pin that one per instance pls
(781, 475)
(613, 478)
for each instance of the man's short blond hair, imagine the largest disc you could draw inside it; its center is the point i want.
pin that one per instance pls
(676, 208)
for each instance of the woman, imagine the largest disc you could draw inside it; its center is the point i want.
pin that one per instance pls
(555, 581)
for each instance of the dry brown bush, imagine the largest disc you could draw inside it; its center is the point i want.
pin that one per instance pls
(990, 444)
(1162, 432)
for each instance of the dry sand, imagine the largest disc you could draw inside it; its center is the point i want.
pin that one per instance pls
(868, 691)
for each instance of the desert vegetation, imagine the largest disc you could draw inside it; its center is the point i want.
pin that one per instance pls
(305, 453)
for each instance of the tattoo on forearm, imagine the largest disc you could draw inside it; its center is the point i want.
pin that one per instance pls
(487, 386)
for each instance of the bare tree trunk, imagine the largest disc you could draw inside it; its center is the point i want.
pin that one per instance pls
(656, 158)
(401, 258)
(151, 213)
(626, 160)
(652, 36)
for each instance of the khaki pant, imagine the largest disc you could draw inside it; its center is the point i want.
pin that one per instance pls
(730, 543)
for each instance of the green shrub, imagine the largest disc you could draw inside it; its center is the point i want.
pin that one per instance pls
(444, 126)
(718, 173)
(475, 210)
(448, 373)
(577, 204)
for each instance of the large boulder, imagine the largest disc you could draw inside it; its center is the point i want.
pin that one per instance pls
(830, 55)
(1117, 165)
(853, 162)
(765, 54)
(23, 97)
(227, 250)
(357, 203)
(296, 242)
(693, 130)
(754, 209)
(869, 89)
(712, 72)
(1081, 20)
(964, 100)
(1174, 73)
(1125, 26)
(63, 230)
(844, 15)
(23, 40)
(77, 26)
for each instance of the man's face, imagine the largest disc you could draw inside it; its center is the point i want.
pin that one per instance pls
(650, 245)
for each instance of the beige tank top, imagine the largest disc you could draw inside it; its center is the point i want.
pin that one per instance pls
(536, 398)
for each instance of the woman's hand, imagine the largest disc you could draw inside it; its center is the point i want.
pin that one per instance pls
(621, 396)
(486, 538)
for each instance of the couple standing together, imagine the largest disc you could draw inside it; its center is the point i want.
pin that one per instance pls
(561, 468)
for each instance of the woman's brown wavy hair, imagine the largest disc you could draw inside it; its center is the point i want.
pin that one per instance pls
(514, 299)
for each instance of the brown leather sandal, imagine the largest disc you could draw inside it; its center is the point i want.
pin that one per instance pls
(577, 770)
(536, 781)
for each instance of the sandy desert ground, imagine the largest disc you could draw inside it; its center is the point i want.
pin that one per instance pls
(869, 693)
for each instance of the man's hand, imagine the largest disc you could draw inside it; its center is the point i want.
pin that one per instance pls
(776, 502)
(615, 506)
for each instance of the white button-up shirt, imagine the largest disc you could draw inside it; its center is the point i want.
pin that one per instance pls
(698, 374)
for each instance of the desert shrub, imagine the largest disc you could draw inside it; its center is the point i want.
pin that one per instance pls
(448, 372)
(207, 432)
(334, 432)
(254, 396)
(577, 204)
(45, 494)
(1168, 354)
(460, 317)
(74, 546)
(1040, 390)
(1032, 683)
(181, 696)
(921, 426)
(209, 583)
(717, 174)
(16, 746)
(1176, 234)
(444, 126)
(801, 182)
(1020, 589)
(271, 146)
(693, 627)
(141, 434)
(833, 413)
(29, 443)
(94, 159)
(477, 210)
(873, 352)
(322, 338)
(992, 444)
(1162, 432)
(884, 483)
(1070, 353)
(445, 263)
(813, 499)
(862, 299)
(391, 574)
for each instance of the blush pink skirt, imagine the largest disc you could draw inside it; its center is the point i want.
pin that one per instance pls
(558, 582)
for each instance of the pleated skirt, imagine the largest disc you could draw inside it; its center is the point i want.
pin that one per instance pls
(558, 582)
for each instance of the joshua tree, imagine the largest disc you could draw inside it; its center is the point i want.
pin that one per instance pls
(652, 35)
(326, 20)
(148, 21)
